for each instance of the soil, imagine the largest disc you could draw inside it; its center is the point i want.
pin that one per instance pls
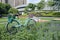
(43, 20)
(57, 19)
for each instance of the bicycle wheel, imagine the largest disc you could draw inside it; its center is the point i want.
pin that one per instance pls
(31, 23)
(11, 27)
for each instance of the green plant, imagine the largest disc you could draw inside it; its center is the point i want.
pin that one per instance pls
(57, 14)
(42, 31)
(31, 6)
(51, 3)
(4, 8)
(13, 10)
(41, 5)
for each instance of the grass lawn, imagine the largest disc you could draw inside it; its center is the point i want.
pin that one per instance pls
(23, 19)
(3, 19)
(48, 18)
(43, 18)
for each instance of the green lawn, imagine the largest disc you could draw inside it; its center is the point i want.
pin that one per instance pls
(43, 18)
(3, 19)
(47, 18)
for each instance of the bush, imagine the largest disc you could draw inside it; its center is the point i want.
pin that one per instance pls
(13, 11)
(23, 34)
(37, 14)
(57, 14)
(42, 31)
(47, 14)
(4, 8)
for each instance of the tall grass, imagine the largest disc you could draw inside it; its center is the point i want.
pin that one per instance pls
(42, 31)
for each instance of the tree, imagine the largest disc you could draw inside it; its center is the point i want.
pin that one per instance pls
(31, 6)
(57, 3)
(41, 5)
(7, 7)
(26, 9)
(51, 3)
(13, 11)
(4, 8)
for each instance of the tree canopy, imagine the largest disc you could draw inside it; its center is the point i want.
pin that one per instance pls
(51, 3)
(13, 10)
(31, 6)
(41, 5)
(4, 8)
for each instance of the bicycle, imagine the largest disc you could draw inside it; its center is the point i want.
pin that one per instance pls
(13, 24)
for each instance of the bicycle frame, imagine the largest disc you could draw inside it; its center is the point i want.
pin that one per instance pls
(13, 18)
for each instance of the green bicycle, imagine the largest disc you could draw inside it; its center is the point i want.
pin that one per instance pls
(13, 24)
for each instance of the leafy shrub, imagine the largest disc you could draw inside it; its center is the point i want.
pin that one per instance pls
(23, 34)
(13, 10)
(35, 13)
(49, 31)
(4, 8)
(51, 3)
(57, 14)
(47, 14)
(43, 31)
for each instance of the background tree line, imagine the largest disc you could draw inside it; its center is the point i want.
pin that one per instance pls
(41, 5)
(5, 9)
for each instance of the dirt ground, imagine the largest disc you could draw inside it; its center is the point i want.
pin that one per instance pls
(47, 20)
(57, 19)
(40, 20)
(43, 20)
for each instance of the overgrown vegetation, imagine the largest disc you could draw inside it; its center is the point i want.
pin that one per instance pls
(37, 8)
(42, 31)
(46, 14)
(4, 8)
(13, 11)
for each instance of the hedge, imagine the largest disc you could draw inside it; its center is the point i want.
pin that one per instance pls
(46, 14)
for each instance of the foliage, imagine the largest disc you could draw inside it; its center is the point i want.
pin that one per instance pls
(13, 10)
(7, 6)
(46, 14)
(23, 34)
(48, 31)
(57, 3)
(26, 9)
(37, 14)
(41, 5)
(53, 14)
(51, 3)
(4, 8)
(56, 14)
(31, 6)
(43, 31)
